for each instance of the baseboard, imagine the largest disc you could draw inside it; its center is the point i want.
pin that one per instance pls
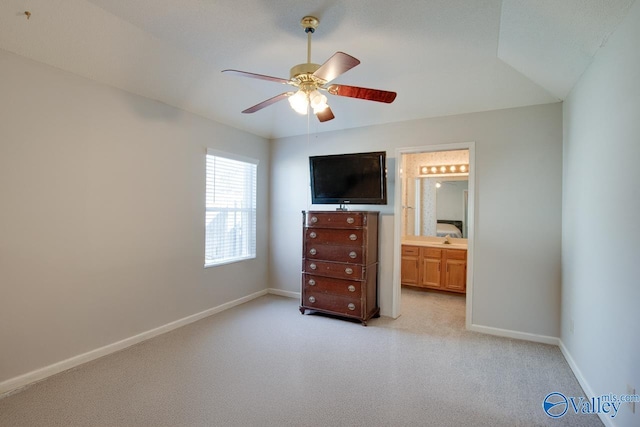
(14, 384)
(588, 391)
(526, 336)
(288, 294)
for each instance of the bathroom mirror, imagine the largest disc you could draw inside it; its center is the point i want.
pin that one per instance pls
(437, 206)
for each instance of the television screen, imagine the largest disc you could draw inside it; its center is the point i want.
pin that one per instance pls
(358, 178)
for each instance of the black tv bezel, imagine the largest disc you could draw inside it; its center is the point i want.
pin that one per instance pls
(380, 155)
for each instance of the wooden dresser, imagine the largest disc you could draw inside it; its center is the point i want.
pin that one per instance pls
(340, 263)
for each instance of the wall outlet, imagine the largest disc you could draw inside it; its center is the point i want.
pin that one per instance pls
(631, 391)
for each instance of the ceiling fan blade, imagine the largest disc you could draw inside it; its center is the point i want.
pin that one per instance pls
(325, 115)
(268, 102)
(256, 76)
(362, 93)
(338, 64)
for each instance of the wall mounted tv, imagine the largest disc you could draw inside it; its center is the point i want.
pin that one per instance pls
(358, 178)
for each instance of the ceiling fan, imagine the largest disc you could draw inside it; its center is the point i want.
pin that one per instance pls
(311, 79)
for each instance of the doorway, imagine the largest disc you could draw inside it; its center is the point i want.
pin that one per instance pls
(405, 219)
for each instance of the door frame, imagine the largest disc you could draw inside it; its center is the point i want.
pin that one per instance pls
(396, 294)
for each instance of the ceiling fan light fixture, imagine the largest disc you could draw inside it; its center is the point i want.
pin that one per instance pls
(317, 101)
(309, 78)
(299, 102)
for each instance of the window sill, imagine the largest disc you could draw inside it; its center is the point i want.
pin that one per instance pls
(229, 261)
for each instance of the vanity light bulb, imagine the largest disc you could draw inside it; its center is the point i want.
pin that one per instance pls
(424, 169)
(443, 169)
(463, 168)
(434, 170)
(452, 168)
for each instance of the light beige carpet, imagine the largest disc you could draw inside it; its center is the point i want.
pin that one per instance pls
(265, 364)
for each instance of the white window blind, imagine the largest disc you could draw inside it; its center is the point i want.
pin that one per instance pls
(230, 219)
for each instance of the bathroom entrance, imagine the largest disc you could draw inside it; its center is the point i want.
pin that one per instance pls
(434, 225)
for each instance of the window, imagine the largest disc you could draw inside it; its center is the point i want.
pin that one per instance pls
(230, 218)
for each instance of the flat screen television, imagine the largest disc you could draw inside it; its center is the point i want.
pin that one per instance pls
(357, 178)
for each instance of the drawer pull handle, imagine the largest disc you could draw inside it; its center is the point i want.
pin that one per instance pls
(312, 251)
(312, 235)
(314, 219)
(352, 254)
(353, 237)
(351, 306)
(312, 299)
(312, 282)
(351, 288)
(350, 220)
(348, 270)
(313, 266)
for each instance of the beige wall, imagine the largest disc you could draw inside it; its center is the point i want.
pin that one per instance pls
(517, 205)
(102, 215)
(600, 229)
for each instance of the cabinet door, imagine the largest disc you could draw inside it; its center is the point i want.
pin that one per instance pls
(431, 268)
(409, 270)
(431, 272)
(456, 275)
(409, 265)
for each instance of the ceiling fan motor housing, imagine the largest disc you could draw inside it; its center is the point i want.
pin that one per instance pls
(302, 69)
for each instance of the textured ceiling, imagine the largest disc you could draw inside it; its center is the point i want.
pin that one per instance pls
(442, 57)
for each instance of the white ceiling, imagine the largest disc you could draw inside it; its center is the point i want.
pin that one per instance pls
(442, 57)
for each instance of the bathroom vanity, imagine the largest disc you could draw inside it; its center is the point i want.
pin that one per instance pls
(429, 263)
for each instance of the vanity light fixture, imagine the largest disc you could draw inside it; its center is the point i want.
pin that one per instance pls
(444, 169)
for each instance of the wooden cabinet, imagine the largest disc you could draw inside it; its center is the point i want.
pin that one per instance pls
(409, 265)
(340, 264)
(455, 273)
(435, 268)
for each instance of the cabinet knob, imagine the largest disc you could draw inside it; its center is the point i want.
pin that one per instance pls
(348, 270)
(350, 220)
(352, 254)
(313, 234)
(351, 306)
(312, 251)
(312, 299)
(312, 282)
(353, 237)
(313, 266)
(314, 219)
(351, 288)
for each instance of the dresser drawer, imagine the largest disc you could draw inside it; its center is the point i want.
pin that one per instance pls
(352, 254)
(339, 270)
(333, 236)
(335, 219)
(329, 285)
(333, 303)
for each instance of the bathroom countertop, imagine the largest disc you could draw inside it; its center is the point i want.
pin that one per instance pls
(435, 242)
